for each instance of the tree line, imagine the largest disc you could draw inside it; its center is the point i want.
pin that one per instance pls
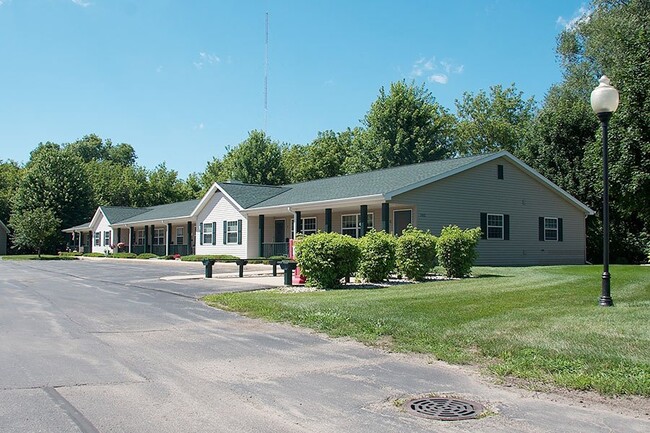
(559, 136)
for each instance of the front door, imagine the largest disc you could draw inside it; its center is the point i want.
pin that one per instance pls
(279, 231)
(401, 220)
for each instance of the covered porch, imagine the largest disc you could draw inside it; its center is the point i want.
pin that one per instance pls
(162, 238)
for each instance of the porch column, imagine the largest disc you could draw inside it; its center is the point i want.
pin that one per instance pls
(130, 237)
(169, 238)
(189, 237)
(119, 235)
(146, 239)
(80, 237)
(363, 223)
(385, 218)
(91, 241)
(260, 231)
(328, 220)
(152, 228)
(298, 222)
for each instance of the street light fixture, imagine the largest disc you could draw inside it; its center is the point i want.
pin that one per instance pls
(604, 101)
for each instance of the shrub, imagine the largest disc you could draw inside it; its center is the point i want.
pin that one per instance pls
(456, 250)
(377, 256)
(325, 258)
(415, 253)
(124, 255)
(217, 257)
(70, 253)
(265, 260)
(147, 256)
(94, 255)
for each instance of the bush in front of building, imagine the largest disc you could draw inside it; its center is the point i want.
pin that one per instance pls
(456, 250)
(326, 258)
(201, 257)
(94, 255)
(147, 256)
(377, 256)
(415, 253)
(124, 255)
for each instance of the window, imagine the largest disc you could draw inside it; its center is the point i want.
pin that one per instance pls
(350, 224)
(494, 226)
(98, 239)
(139, 239)
(231, 232)
(550, 229)
(499, 171)
(180, 238)
(159, 236)
(107, 238)
(207, 233)
(309, 226)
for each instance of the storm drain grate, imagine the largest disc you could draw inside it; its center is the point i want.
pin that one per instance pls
(444, 409)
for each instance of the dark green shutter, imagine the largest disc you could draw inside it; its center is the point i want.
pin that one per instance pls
(201, 234)
(214, 233)
(483, 225)
(506, 227)
(239, 229)
(499, 171)
(541, 229)
(560, 235)
(225, 232)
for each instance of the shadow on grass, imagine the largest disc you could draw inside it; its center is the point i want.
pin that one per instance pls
(493, 276)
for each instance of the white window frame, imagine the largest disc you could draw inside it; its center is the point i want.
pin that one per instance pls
(181, 230)
(98, 239)
(139, 237)
(158, 236)
(488, 226)
(305, 232)
(556, 229)
(357, 217)
(107, 238)
(232, 231)
(207, 231)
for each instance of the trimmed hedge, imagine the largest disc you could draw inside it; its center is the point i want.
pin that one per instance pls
(377, 256)
(147, 256)
(326, 258)
(265, 260)
(456, 250)
(70, 254)
(415, 253)
(94, 255)
(217, 257)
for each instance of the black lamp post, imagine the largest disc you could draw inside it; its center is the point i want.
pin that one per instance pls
(604, 101)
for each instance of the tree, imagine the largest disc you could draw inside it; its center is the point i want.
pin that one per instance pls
(614, 38)
(10, 173)
(93, 148)
(114, 184)
(164, 186)
(403, 126)
(55, 180)
(491, 122)
(35, 229)
(256, 160)
(323, 157)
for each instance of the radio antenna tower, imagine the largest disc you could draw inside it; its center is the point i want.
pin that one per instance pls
(266, 74)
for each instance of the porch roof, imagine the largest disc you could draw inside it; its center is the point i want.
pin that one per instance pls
(163, 211)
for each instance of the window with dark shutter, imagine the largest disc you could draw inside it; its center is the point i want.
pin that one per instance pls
(483, 225)
(239, 232)
(201, 233)
(506, 227)
(214, 233)
(499, 171)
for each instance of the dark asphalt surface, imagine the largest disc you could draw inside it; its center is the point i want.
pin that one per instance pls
(99, 346)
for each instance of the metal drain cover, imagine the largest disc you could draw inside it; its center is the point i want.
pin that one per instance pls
(444, 409)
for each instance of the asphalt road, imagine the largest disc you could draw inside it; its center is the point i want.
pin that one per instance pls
(109, 347)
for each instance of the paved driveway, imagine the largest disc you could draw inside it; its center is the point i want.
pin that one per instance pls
(108, 347)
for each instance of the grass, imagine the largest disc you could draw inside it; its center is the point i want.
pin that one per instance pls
(539, 324)
(35, 257)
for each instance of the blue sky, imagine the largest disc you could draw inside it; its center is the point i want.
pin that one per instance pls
(181, 80)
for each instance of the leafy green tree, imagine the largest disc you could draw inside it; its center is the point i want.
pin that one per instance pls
(323, 157)
(404, 125)
(10, 173)
(214, 172)
(491, 122)
(35, 229)
(114, 184)
(164, 186)
(614, 38)
(256, 160)
(55, 180)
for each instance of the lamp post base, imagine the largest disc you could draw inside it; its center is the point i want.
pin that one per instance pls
(605, 298)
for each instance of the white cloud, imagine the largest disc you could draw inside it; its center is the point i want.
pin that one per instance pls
(200, 126)
(439, 78)
(581, 15)
(82, 3)
(435, 71)
(159, 69)
(206, 59)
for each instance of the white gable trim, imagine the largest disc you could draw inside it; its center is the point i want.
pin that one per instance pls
(489, 158)
(206, 199)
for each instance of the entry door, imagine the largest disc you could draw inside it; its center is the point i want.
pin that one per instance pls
(401, 220)
(279, 231)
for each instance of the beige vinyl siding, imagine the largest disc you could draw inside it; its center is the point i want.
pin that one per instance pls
(460, 199)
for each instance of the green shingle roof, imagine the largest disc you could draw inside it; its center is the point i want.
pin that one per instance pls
(163, 211)
(249, 195)
(115, 214)
(362, 184)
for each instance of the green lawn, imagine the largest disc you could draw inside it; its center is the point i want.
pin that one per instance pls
(35, 257)
(541, 324)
